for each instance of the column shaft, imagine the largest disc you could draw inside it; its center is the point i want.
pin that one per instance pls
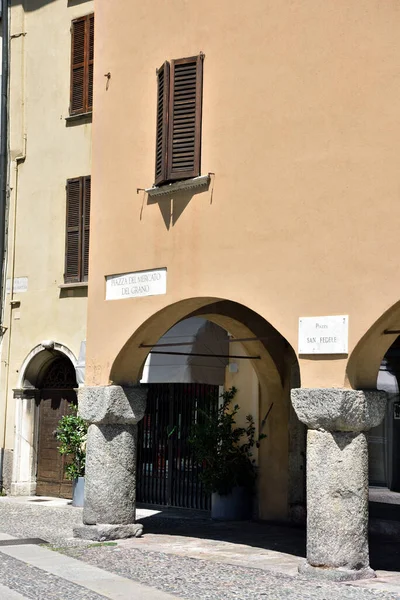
(337, 499)
(337, 478)
(110, 474)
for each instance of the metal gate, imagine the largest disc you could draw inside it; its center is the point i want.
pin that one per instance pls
(167, 473)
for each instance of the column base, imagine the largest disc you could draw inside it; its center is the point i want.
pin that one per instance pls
(23, 488)
(103, 532)
(335, 573)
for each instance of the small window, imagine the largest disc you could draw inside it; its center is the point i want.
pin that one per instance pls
(82, 54)
(179, 105)
(77, 230)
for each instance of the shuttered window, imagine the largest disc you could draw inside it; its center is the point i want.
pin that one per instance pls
(82, 60)
(179, 105)
(77, 230)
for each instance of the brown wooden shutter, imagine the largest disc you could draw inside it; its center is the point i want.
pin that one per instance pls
(90, 54)
(162, 123)
(78, 74)
(85, 228)
(185, 106)
(82, 61)
(73, 231)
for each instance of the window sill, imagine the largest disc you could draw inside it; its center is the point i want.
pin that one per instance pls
(197, 182)
(81, 117)
(77, 284)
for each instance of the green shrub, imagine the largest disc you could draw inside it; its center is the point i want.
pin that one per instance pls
(72, 433)
(223, 449)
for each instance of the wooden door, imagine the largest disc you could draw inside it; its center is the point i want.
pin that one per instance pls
(50, 472)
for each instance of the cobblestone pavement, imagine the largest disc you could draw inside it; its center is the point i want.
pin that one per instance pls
(184, 577)
(35, 520)
(195, 579)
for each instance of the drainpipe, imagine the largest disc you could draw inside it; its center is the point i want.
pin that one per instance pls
(3, 141)
(3, 170)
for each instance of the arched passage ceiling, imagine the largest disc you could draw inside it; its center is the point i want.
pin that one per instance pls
(239, 320)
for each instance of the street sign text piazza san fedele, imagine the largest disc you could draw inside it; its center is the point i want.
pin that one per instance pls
(324, 335)
(136, 285)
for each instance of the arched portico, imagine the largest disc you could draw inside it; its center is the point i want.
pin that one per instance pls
(276, 368)
(27, 397)
(337, 457)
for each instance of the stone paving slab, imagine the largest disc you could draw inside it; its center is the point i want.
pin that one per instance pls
(216, 551)
(33, 583)
(71, 578)
(379, 494)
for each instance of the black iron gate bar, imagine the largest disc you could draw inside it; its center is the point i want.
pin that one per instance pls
(167, 471)
(230, 341)
(206, 355)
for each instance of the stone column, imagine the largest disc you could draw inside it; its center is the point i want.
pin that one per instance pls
(110, 474)
(337, 478)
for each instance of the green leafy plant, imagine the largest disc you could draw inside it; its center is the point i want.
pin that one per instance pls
(225, 450)
(72, 433)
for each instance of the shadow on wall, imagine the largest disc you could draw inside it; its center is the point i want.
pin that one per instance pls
(32, 5)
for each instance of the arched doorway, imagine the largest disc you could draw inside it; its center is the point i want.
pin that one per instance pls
(281, 481)
(56, 385)
(185, 375)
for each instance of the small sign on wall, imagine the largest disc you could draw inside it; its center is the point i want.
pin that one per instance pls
(20, 285)
(136, 285)
(324, 335)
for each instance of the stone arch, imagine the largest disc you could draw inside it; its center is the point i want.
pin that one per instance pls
(277, 371)
(39, 359)
(27, 395)
(364, 361)
(240, 320)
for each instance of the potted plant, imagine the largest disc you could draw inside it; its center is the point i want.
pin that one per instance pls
(225, 453)
(72, 433)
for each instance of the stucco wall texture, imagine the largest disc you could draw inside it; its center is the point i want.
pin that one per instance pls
(44, 152)
(301, 131)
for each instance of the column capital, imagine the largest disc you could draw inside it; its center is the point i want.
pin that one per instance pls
(112, 404)
(339, 409)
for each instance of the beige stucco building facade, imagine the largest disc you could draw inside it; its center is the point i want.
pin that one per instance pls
(47, 148)
(290, 212)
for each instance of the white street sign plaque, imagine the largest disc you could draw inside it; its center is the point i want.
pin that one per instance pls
(324, 335)
(20, 285)
(136, 285)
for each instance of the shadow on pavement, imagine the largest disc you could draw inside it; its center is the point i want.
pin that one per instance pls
(280, 538)
(384, 551)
